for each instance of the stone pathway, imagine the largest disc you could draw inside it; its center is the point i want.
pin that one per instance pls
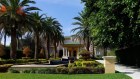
(128, 70)
(34, 66)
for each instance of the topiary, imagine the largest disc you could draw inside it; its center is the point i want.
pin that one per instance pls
(84, 54)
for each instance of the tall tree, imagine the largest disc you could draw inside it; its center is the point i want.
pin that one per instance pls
(52, 33)
(57, 36)
(37, 29)
(83, 29)
(15, 16)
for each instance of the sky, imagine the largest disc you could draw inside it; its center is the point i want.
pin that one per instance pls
(63, 10)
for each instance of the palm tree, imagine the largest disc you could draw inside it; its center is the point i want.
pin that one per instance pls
(52, 33)
(46, 34)
(15, 16)
(57, 35)
(37, 29)
(58, 39)
(83, 29)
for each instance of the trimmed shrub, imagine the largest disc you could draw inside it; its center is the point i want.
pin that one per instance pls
(26, 71)
(80, 70)
(84, 54)
(13, 71)
(78, 63)
(71, 65)
(62, 70)
(99, 69)
(41, 71)
(5, 67)
(90, 63)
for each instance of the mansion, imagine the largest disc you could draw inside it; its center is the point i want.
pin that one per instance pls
(72, 47)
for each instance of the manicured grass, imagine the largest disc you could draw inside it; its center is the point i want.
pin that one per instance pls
(63, 76)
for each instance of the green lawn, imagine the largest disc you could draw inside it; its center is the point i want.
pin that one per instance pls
(62, 76)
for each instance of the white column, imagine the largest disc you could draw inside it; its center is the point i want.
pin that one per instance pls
(78, 53)
(63, 52)
(68, 53)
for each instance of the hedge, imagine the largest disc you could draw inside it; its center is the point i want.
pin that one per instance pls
(63, 70)
(5, 67)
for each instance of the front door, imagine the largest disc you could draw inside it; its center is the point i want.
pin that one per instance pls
(74, 53)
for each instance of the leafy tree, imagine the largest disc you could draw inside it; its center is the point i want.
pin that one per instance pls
(114, 23)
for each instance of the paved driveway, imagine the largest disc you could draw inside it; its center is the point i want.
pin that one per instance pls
(131, 71)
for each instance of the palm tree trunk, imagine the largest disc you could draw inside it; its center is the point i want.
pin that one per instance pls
(48, 47)
(36, 45)
(55, 48)
(93, 52)
(13, 43)
(17, 43)
(88, 44)
(105, 51)
(21, 43)
(4, 40)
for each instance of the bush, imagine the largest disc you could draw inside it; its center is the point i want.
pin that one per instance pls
(5, 67)
(80, 70)
(2, 52)
(84, 64)
(71, 65)
(65, 70)
(26, 71)
(41, 71)
(84, 54)
(9, 61)
(7, 53)
(13, 71)
(19, 53)
(62, 70)
(99, 69)
(90, 63)
(78, 63)
(26, 51)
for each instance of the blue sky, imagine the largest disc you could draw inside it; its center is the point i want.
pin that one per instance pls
(63, 10)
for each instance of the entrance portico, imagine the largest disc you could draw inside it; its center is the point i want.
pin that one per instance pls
(71, 50)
